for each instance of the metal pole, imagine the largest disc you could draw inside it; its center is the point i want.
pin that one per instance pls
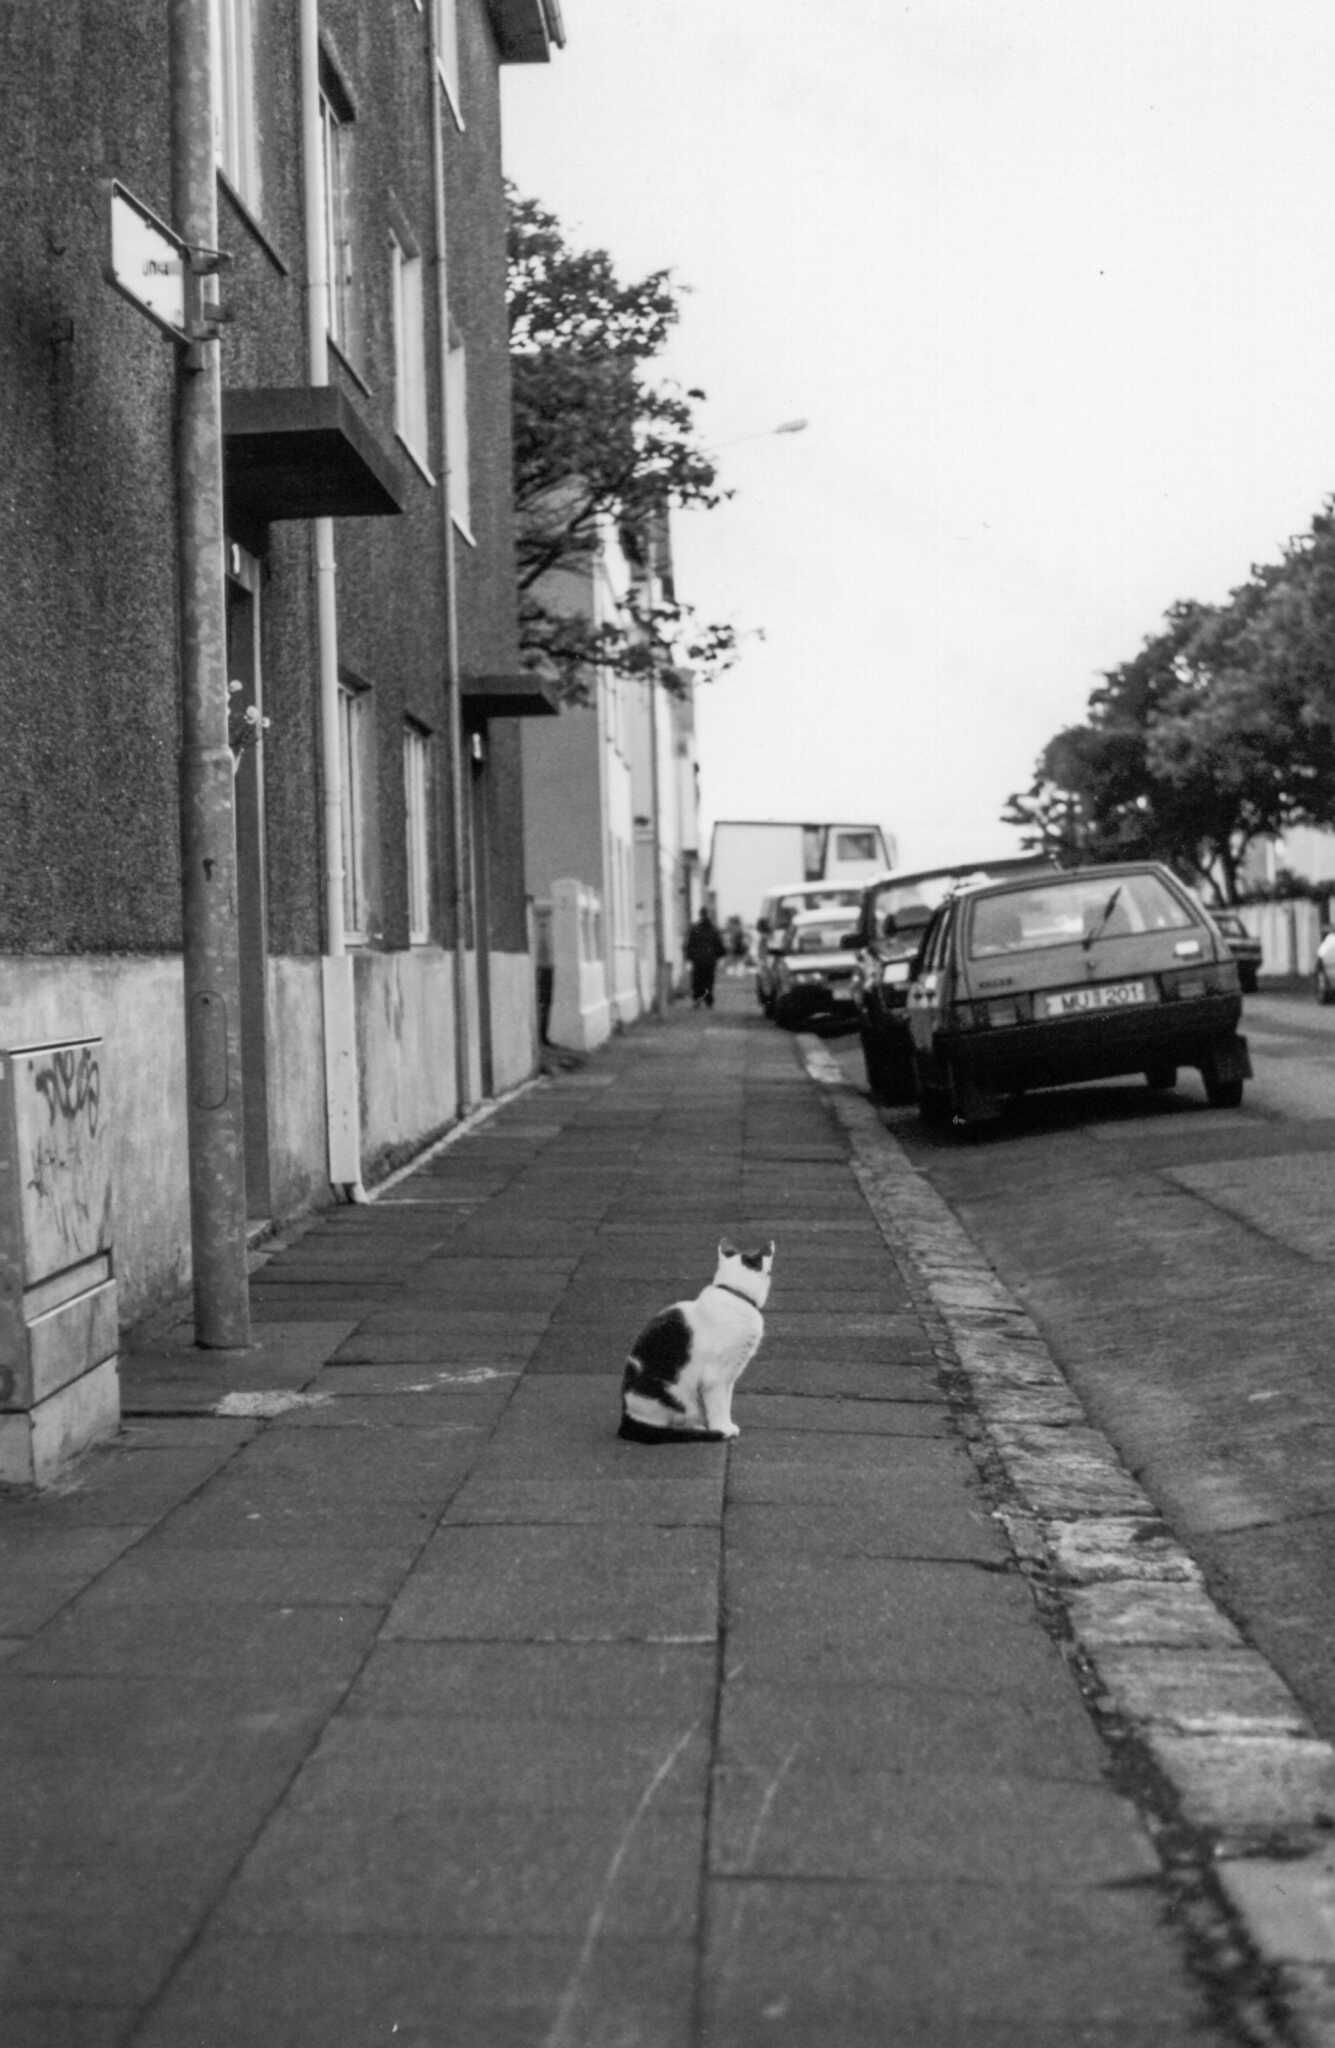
(208, 835)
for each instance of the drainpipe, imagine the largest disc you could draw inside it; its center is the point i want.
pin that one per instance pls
(342, 1080)
(210, 945)
(454, 733)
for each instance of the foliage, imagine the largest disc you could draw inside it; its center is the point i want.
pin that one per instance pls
(599, 448)
(1220, 731)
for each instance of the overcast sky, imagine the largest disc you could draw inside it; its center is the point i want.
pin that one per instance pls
(1053, 282)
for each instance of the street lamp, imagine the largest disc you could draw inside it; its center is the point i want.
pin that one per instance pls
(762, 434)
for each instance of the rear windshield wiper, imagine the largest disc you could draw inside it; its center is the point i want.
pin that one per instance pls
(1108, 909)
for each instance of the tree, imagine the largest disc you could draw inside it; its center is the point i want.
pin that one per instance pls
(599, 446)
(1220, 731)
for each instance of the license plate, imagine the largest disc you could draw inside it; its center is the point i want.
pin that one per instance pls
(1107, 995)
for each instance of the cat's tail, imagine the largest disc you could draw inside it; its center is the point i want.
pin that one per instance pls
(636, 1432)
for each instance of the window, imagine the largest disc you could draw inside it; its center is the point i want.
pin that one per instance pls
(336, 128)
(234, 143)
(354, 714)
(410, 416)
(857, 846)
(447, 52)
(417, 816)
(456, 429)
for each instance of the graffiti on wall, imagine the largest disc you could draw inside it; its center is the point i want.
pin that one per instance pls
(65, 1192)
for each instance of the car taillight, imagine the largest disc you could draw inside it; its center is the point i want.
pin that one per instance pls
(1187, 984)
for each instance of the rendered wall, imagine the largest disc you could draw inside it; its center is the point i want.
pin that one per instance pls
(513, 1019)
(134, 1006)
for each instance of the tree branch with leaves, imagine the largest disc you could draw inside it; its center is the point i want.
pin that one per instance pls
(599, 448)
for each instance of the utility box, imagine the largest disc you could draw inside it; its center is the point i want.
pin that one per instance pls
(59, 1382)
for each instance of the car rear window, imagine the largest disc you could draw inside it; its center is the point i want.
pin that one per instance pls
(821, 938)
(1097, 906)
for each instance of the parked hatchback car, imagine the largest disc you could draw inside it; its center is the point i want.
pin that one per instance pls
(892, 916)
(1324, 976)
(777, 912)
(1047, 979)
(813, 968)
(1245, 948)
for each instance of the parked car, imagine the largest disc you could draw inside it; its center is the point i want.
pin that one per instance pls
(777, 911)
(892, 915)
(1245, 948)
(1324, 976)
(1046, 979)
(813, 968)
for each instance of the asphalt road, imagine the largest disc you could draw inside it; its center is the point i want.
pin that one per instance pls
(1180, 1263)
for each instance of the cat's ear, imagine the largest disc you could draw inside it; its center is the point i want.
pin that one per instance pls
(726, 1250)
(767, 1250)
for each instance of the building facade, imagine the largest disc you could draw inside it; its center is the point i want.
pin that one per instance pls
(376, 700)
(611, 792)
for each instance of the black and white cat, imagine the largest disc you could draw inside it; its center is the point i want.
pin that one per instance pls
(683, 1366)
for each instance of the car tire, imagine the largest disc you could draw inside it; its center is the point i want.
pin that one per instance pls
(1161, 1076)
(936, 1098)
(889, 1079)
(784, 1016)
(1247, 980)
(1325, 991)
(1222, 1090)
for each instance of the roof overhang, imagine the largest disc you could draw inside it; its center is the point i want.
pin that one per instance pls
(304, 452)
(526, 29)
(524, 695)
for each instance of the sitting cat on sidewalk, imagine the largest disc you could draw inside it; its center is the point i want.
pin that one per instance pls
(683, 1366)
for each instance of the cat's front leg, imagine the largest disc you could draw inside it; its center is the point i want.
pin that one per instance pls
(717, 1404)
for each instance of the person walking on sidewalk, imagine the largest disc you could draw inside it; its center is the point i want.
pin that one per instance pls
(704, 950)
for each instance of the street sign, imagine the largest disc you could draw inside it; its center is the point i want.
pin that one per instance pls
(150, 264)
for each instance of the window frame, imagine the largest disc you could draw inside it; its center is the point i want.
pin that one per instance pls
(235, 132)
(408, 311)
(337, 124)
(456, 431)
(417, 782)
(446, 14)
(354, 723)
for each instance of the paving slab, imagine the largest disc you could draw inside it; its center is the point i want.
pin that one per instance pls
(757, 1407)
(652, 1684)
(770, 1726)
(566, 1584)
(942, 1965)
(498, 1992)
(416, 1868)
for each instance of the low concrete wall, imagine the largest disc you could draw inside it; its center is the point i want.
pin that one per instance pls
(298, 1146)
(1289, 934)
(134, 1006)
(405, 1047)
(581, 1013)
(514, 1024)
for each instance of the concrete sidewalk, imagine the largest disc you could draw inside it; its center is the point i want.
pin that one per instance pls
(368, 1689)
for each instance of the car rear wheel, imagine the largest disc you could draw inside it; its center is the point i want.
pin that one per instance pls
(1223, 1083)
(1325, 991)
(1247, 980)
(889, 1079)
(935, 1091)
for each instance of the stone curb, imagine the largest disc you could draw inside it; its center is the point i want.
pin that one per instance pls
(1247, 1771)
